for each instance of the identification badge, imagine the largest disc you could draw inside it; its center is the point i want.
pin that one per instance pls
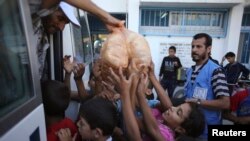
(200, 93)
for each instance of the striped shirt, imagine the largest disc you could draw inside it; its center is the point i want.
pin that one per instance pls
(218, 81)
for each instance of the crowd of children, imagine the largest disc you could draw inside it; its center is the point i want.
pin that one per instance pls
(108, 113)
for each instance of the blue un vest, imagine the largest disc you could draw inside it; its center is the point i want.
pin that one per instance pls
(203, 80)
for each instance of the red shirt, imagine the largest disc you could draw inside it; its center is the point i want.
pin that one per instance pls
(54, 128)
(237, 98)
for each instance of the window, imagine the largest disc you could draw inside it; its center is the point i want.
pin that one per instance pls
(19, 79)
(99, 32)
(184, 22)
(194, 18)
(154, 17)
(82, 40)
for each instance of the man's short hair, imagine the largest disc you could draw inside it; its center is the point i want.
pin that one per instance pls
(173, 48)
(230, 54)
(206, 36)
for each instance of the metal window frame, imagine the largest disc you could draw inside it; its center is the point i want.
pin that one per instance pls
(215, 31)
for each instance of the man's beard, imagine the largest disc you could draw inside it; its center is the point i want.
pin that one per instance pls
(197, 57)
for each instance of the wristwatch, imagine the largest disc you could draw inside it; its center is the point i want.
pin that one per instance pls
(198, 101)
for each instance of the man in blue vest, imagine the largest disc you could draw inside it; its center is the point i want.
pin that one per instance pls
(206, 83)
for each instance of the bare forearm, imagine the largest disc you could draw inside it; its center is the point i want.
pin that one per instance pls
(222, 103)
(67, 79)
(91, 7)
(165, 100)
(129, 118)
(82, 93)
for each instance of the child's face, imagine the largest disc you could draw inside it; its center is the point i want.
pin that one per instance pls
(230, 59)
(84, 129)
(171, 52)
(174, 116)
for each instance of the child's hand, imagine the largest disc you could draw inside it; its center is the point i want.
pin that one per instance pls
(67, 64)
(97, 68)
(65, 135)
(79, 70)
(121, 82)
(142, 84)
(151, 69)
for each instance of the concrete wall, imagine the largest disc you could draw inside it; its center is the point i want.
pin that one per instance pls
(160, 44)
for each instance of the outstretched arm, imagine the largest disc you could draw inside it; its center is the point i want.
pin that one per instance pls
(79, 70)
(87, 5)
(123, 86)
(164, 98)
(149, 121)
(68, 67)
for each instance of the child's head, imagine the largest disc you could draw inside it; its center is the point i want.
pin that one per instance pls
(186, 119)
(56, 97)
(172, 51)
(98, 118)
(230, 56)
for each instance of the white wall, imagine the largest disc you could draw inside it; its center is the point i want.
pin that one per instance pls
(112, 5)
(234, 27)
(158, 44)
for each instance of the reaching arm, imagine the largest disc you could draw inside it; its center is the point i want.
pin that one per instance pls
(123, 86)
(79, 70)
(68, 68)
(89, 6)
(149, 121)
(165, 100)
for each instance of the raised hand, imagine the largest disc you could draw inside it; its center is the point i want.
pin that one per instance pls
(151, 69)
(142, 85)
(121, 82)
(67, 64)
(65, 135)
(79, 70)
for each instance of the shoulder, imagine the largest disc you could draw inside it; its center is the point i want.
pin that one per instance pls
(166, 132)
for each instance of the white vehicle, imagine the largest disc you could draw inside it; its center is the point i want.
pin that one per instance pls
(21, 107)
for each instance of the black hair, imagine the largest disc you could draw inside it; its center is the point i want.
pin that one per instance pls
(206, 36)
(195, 123)
(173, 48)
(230, 54)
(99, 113)
(56, 97)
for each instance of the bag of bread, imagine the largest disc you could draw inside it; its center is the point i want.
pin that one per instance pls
(123, 45)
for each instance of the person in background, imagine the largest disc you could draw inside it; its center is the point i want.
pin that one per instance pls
(233, 70)
(206, 83)
(168, 71)
(240, 105)
(51, 16)
(56, 98)
(98, 119)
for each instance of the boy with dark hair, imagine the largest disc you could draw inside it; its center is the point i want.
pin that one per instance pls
(56, 98)
(233, 70)
(97, 120)
(168, 70)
